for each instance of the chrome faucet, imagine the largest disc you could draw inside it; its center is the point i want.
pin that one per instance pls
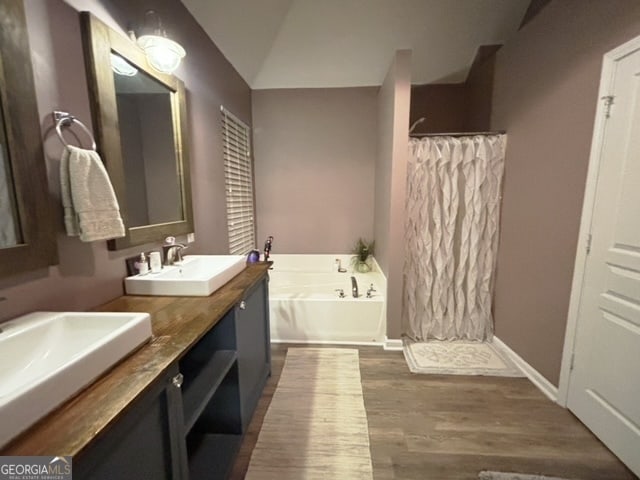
(172, 252)
(340, 269)
(370, 290)
(354, 287)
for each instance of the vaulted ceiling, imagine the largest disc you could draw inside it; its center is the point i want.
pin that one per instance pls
(344, 43)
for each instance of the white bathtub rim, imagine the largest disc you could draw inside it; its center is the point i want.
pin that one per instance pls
(346, 259)
(278, 297)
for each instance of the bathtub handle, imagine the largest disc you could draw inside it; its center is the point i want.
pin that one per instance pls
(340, 292)
(243, 305)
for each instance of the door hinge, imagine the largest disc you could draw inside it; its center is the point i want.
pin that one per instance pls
(608, 101)
(589, 244)
(573, 357)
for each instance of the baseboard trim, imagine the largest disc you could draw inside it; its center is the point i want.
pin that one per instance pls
(544, 385)
(390, 344)
(394, 344)
(328, 342)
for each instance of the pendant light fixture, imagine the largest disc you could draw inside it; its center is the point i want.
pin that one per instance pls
(120, 66)
(162, 53)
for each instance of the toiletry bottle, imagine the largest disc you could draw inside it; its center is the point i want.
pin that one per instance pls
(154, 262)
(142, 265)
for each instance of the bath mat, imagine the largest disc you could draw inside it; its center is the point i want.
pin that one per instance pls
(458, 358)
(514, 476)
(316, 426)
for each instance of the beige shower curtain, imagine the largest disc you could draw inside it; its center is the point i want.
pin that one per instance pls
(453, 208)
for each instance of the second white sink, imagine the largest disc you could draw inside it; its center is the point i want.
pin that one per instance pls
(196, 275)
(46, 357)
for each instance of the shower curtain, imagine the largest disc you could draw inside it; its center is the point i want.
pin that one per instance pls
(451, 232)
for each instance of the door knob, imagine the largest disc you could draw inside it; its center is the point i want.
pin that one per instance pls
(177, 380)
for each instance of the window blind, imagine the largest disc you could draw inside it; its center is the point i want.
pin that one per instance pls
(239, 184)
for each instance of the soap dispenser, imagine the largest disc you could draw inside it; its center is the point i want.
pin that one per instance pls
(141, 265)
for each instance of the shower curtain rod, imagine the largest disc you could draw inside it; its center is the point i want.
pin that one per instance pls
(457, 134)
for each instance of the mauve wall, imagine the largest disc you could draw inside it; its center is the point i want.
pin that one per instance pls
(394, 99)
(314, 152)
(456, 107)
(479, 86)
(443, 106)
(89, 274)
(545, 94)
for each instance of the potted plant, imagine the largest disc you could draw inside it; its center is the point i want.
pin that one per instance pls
(362, 250)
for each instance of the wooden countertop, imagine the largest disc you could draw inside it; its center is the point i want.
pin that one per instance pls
(177, 324)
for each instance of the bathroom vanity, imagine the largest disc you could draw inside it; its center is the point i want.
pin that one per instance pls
(178, 407)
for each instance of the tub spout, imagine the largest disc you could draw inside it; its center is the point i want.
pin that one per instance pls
(354, 287)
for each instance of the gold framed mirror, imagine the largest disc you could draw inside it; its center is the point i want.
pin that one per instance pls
(139, 117)
(27, 239)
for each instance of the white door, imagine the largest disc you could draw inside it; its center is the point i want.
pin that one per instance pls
(604, 384)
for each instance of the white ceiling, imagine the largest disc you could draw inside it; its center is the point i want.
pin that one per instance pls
(345, 43)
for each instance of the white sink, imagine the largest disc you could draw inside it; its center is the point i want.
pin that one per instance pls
(46, 357)
(196, 275)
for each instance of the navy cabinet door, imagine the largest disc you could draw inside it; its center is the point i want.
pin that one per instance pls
(254, 349)
(147, 443)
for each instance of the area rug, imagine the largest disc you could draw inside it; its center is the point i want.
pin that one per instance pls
(514, 476)
(316, 426)
(458, 358)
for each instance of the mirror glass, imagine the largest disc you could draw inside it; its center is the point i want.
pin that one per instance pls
(10, 234)
(139, 118)
(147, 140)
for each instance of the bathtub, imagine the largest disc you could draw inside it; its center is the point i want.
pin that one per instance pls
(304, 306)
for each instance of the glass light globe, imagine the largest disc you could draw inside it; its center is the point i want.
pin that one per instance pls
(163, 54)
(121, 66)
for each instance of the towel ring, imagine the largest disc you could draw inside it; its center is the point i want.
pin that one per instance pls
(65, 119)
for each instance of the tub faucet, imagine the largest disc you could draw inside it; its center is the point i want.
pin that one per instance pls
(354, 287)
(340, 269)
(370, 290)
(267, 247)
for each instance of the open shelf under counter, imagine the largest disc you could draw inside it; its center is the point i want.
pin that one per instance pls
(200, 386)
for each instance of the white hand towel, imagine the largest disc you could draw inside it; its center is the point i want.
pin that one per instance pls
(70, 218)
(90, 204)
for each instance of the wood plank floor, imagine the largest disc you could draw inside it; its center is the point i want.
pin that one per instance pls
(446, 427)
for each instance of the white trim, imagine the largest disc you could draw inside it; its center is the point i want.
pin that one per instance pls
(606, 82)
(545, 386)
(329, 342)
(392, 344)
(389, 344)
